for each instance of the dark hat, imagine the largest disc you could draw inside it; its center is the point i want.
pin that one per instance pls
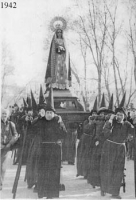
(34, 104)
(95, 107)
(50, 101)
(42, 106)
(110, 108)
(103, 109)
(120, 110)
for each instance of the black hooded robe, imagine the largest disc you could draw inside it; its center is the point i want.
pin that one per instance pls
(50, 159)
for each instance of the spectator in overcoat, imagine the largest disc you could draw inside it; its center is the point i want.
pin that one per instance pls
(9, 136)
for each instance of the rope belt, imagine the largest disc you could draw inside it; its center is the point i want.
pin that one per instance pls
(116, 142)
(51, 142)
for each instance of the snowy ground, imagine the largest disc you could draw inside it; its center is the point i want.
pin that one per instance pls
(76, 187)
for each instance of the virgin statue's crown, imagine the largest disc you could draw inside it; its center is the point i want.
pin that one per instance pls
(58, 23)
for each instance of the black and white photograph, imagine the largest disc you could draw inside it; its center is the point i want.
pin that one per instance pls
(68, 99)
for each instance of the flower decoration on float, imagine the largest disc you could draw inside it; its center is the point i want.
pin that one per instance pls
(58, 23)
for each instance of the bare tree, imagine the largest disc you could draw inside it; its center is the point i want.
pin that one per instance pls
(106, 73)
(131, 33)
(83, 48)
(132, 40)
(7, 67)
(131, 90)
(75, 73)
(113, 32)
(117, 65)
(92, 28)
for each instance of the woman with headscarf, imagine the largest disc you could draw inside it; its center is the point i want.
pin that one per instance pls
(9, 136)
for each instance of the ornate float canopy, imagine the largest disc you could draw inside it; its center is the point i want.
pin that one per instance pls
(58, 23)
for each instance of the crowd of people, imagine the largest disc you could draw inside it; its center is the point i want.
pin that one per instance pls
(38, 138)
(101, 151)
(103, 138)
(45, 132)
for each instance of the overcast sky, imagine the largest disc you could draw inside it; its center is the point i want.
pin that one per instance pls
(24, 30)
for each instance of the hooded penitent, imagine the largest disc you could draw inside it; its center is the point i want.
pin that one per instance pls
(110, 108)
(34, 104)
(121, 105)
(50, 101)
(42, 102)
(95, 107)
(29, 102)
(25, 104)
(102, 105)
(41, 97)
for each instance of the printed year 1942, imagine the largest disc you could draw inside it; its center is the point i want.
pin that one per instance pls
(8, 5)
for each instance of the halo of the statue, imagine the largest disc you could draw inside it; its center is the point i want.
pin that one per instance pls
(58, 23)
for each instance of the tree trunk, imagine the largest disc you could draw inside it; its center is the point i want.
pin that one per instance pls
(85, 84)
(135, 67)
(115, 77)
(108, 90)
(106, 79)
(121, 82)
(99, 87)
(2, 87)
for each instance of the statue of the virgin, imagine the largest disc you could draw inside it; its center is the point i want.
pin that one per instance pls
(58, 72)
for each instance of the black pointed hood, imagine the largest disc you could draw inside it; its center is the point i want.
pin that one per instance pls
(121, 105)
(95, 107)
(110, 108)
(50, 101)
(102, 105)
(42, 101)
(25, 104)
(29, 102)
(34, 104)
